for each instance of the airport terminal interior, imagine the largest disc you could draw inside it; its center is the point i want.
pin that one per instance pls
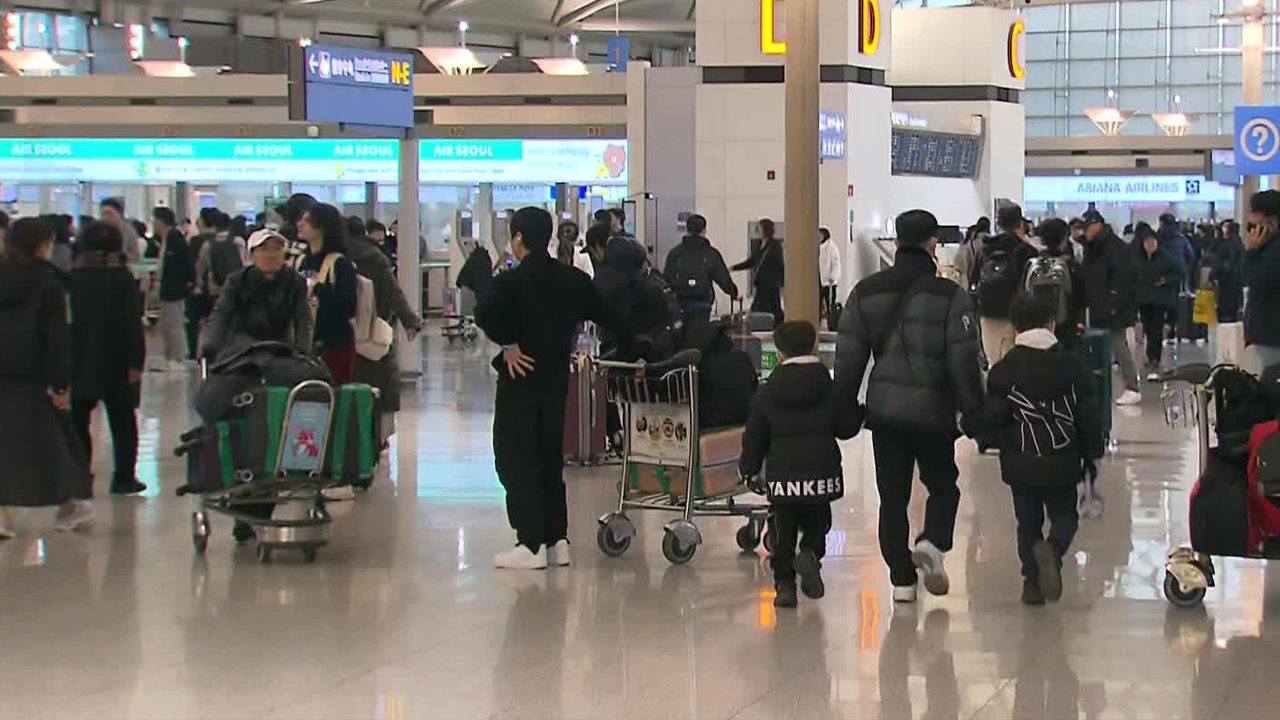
(373, 590)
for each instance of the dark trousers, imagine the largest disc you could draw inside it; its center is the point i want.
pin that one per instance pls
(123, 420)
(826, 299)
(1153, 317)
(806, 522)
(768, 299)
(528, 450)
(897, 453)
(198, 309)
(1030, 506)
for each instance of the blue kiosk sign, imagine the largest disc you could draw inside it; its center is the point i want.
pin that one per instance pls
(1257, 139)
(351, 85)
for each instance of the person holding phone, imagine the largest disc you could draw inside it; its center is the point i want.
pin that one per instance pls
(1262, 274)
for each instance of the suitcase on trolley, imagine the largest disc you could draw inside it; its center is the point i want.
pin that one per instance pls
(241, 447)
(356, 435)
(1095, 347)
(585, 419)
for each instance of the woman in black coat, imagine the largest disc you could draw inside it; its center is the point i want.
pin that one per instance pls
(1159, 278)
(43, 462)
(108, 348)
(331, 278)
(770, 269)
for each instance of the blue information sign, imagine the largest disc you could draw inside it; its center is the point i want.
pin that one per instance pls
(619, 51)
(1257, 139)
(351, 85)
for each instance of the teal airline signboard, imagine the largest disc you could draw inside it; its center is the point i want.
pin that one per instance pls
(305, 160)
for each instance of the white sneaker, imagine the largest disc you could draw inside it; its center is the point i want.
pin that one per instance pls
(904, 594)
(928, 559)
(1128, 398)
(558, 554)
(83, 514)
(520, 558)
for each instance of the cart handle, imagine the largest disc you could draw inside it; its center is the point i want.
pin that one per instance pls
(682, 359)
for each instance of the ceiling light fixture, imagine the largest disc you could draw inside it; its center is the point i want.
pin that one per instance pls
(561, 66)
(452, 60)
(1108, 120)
(1175, 124)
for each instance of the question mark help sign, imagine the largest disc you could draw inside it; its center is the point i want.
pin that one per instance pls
(1257, 140)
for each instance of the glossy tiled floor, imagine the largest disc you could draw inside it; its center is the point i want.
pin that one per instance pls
(402, 617)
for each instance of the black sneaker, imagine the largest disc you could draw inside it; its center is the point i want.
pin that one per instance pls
(810, 571)
(786, 597)
(1031, 594)
(127, 487)
(1050, 573)
(242, 532)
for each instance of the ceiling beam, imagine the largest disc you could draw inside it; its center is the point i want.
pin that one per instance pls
(430, 7)
(638, 26)
(693, 9)
(587, 10)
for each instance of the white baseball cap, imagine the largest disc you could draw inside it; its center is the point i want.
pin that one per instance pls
(264, 235)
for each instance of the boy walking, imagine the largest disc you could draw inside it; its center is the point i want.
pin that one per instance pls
(793, 423)
(1037, 412)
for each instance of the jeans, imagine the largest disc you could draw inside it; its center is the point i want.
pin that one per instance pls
(123, 420)
(808, 523)
(172, 329)
(897, 453)
(1030, 506)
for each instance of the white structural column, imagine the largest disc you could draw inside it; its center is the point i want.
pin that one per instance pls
(1251, 42)
(801, 191)
(410, 353)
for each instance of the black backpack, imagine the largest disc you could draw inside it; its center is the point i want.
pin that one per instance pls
(998, 279)
(693, 278)
(655, 315)
(224, 259)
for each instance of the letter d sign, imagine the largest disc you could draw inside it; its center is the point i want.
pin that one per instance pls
(868, 26)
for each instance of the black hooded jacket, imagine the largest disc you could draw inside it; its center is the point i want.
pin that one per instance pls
(696, 250)
(1110, 279)
(926, 364)
(793, 424)
(33, 322)
(106, 324)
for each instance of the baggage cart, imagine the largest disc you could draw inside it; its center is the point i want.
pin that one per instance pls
(298, 477)
(670, 465)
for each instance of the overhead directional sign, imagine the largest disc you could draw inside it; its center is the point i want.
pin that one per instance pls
(351, 85)
(1257, 139)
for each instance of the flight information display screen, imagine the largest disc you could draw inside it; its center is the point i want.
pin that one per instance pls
(922, 152)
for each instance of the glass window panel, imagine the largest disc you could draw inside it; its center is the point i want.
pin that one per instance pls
(1092, 45)
(1142, 99)
(1137, 72)
(1191, 70)
(1042, 126)
(1042, 18)
(70, 33)
(1231, 35)
(1038, 102)
(1045, 46)
(35, 30)
(1186, 40)
(1081, 99)
(1091, 73)
(1232, 69)
(1141, 43)
(1193, 12)
(1093, 16)
(1146, 14)
(1046, 75)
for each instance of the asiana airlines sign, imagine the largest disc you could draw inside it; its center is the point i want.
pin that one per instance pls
(1111, 189)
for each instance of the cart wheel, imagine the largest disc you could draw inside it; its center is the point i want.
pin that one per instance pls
(675, 551)
(610, 544)
(264, 554)
(309, 555)
(748, 538)
(1174, 593)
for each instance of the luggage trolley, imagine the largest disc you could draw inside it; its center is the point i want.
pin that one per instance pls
(300, 459)
(659, 412)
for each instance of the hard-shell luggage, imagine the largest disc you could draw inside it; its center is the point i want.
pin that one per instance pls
(585, 423)
(356, 437)
(1188, 328)
(1219, 511)
(1095, 347)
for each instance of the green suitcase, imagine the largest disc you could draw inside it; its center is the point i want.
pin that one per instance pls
(354, 440)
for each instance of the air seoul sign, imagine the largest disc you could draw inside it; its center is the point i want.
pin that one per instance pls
(869, 27)
(351, 85)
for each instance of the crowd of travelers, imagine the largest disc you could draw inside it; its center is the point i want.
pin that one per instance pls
(75, 307)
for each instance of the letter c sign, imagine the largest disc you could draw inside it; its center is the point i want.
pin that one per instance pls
(1016, 33)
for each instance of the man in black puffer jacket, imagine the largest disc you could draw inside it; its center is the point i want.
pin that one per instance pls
(923, 334)
(1110, 277)
(793, 422)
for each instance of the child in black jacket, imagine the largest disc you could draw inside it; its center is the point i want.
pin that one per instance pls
(793, 422)
(1037, 405)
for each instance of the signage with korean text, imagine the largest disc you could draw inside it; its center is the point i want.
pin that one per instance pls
(335, 84)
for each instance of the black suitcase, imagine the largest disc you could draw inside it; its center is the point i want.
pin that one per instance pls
(1188, 329)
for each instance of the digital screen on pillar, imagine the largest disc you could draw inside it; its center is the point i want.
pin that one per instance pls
(350, 85)
(921, 152)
